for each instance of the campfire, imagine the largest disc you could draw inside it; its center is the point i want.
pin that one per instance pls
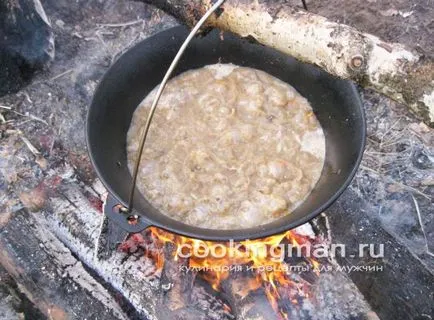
(247, 267)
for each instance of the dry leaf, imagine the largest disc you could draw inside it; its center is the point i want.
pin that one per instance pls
(34, 200)
(389, 12)
(42, 162)
(394, 12)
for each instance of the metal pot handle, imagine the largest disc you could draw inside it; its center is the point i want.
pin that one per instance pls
(131, 222)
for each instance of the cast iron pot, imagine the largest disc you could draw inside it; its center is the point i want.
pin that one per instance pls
(335, 102)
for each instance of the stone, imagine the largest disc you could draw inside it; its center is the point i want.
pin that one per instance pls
(26, 42)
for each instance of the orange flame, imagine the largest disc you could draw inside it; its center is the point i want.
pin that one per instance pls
(270, 274)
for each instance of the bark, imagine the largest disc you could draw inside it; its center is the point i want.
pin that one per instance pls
(389, 68)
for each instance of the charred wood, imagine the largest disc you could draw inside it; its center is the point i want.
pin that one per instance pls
(184, 295)
(49, 275)
(13, 303)
(247, 303)
(176, 282)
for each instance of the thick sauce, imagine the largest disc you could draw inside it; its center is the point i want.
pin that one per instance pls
(229, 147)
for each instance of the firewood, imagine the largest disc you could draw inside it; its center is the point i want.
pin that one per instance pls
(389, 68)
(176, 282)
(182, 297)
(49, 275)
(247, 304)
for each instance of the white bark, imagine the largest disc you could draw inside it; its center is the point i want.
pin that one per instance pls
(341, 50)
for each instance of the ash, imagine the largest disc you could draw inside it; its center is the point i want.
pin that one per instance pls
(397, 175)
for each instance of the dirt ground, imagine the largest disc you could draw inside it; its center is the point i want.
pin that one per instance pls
(410, 22)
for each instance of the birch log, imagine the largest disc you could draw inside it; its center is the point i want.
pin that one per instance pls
(389, 68)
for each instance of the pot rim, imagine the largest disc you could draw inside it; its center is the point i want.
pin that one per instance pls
(230, 234)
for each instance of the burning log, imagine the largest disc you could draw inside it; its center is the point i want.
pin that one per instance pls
(211, 303)
(182, 297)
(253, 298)
(247, 298)
(176, 281)
(253, 284)
(389, 68)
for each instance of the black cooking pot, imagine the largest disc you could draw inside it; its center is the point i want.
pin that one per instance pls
(335, 102)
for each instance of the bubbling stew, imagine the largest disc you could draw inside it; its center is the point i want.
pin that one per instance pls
(229, 147)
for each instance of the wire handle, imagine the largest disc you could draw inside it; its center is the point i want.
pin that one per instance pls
(157, 97)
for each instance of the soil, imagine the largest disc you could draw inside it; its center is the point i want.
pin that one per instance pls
(410, 22)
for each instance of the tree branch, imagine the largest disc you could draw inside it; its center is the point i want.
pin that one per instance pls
(389, 68)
